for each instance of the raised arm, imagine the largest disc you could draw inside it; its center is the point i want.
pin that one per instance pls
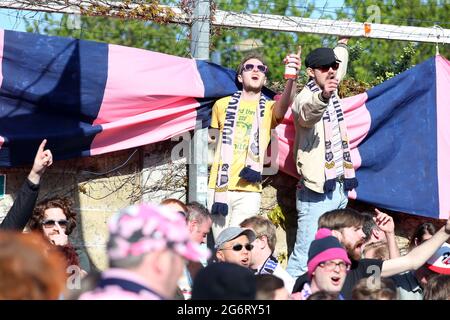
(386, 224)
(22, 208)
(288, 95)
(42, 161)
(417, 256)
(341, 52)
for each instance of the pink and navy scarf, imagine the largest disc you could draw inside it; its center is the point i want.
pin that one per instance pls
(350, 181)
(254, 160)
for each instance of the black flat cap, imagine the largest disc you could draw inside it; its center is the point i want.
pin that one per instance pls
(321, 57)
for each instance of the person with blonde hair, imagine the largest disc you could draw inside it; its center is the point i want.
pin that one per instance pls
(263, 260)
(243, 122)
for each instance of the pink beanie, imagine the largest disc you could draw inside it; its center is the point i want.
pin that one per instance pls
(325, 247)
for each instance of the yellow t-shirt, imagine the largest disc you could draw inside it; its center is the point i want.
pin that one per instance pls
(243, 128)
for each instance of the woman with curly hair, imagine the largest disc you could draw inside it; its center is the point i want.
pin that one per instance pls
(55, 219)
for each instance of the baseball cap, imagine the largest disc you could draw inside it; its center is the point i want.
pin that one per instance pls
(321, 57)
(144, 228)
(440, 260)
(232, 233)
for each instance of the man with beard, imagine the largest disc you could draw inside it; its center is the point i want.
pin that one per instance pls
(321, 149)
(346, 225)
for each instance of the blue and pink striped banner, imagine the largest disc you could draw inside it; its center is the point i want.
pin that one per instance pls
(90, 98)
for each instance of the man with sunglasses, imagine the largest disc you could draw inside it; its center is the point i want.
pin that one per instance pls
(244, 121)
(234, 245)
(321, 148)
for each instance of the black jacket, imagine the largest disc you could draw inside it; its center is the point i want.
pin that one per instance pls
(22, 208)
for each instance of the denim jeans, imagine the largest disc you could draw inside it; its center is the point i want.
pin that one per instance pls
(310, 206)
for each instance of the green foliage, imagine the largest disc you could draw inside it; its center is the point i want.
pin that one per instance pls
(385, 72)
(381, 59)
(354, 54)
(276, 215)
(282, 257)
(276, 45)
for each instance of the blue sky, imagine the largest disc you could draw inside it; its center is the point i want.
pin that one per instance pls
(11, 19)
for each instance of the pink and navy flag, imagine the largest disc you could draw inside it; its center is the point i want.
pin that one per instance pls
(400, 139)
(88, 98)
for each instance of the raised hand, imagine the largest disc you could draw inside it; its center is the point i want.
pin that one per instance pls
(384, 222)
(42, 161)
(293, 61)
(330, 85)
(343, 40)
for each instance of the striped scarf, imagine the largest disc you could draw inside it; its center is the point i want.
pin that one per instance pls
(350, 181)
(253, 162)
(269, 266)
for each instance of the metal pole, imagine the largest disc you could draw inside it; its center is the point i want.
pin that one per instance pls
(198, 165)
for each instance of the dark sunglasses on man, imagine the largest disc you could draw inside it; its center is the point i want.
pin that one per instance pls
(327, 67)
(239, 247)
(250, 66)
(50, 223)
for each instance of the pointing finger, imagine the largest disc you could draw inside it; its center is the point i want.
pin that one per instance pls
(42, 145)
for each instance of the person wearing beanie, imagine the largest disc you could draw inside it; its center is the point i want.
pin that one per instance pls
(328, 264)
(147, 250)
(346, 225)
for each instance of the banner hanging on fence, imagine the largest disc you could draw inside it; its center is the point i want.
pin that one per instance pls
(88, 98)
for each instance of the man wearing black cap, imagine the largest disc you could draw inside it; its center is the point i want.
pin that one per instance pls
(321, 149)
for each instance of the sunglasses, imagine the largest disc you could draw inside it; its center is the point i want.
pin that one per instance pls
(333, 66)
(249, 67)
(238, 247)
(51, 223)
